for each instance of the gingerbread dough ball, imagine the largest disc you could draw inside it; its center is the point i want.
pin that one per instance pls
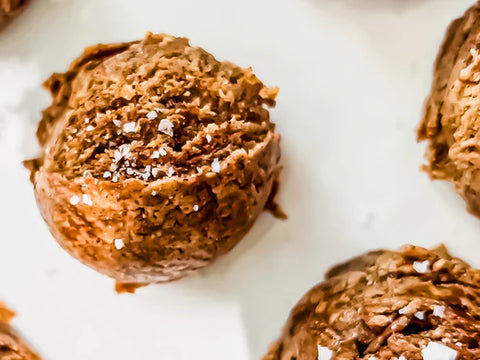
(451, 122)
(412, 304)
(157, 158)
(12, 347)
(9, 9)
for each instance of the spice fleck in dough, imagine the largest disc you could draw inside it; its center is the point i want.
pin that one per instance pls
(12, 347)
(157, 158)
(414, 304)
(451, 119)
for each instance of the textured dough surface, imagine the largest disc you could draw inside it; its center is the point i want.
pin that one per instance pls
(157, 158)
(451, 118)
(12, 347)
(388, 304)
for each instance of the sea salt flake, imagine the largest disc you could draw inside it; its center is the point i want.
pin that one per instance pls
(87, 200)
(199, 170)
(154, 193)
(437, 351)
(74, 200)
(113, 167)
(119, 244)
(420, 315)
(216, 165)
(87, 120)
(152, 115)
(324, 353)
(209, 138)
(421, 267)
(170, 171)
(403, 310)
(195, 207)
(402, 358)
(154, 172)
(129, 127)
(155, 155)
(90, 128)
(438, 310)
(117, 123)
(115, 178)
(166, 127)
(107, 174)
(124, 150)
(162, 151)
(117, 156)
(129, 171)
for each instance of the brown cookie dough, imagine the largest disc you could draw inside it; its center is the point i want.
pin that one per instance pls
(9, 9)
(451, 120)
(157, 158)
(12, 347)
(412, 304)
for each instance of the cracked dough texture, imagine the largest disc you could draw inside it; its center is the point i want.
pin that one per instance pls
(451, 118)
(9, 9)
(156, 158)
(366, 309)
(12, 347)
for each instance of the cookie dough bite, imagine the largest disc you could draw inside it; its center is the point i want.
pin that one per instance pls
(12, 347)
(414, 304)
(451, 120)
(9, 9)
(157, 158)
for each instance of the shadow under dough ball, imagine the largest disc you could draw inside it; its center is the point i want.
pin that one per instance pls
(9, 9)
(12, 347)
(157, 158)
(413, 304)
(451, 121)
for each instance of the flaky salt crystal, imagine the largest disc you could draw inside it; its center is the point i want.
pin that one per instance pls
(107, 174)
(421, 267)
(87, 200)
(195, 207)
(170, 171)
(155, 155)
(119, 244)
(437, 351)
(74, 200)
(209, 138)
(438, 310)
(152, 115)
(216, 165)
(129, 127)
(162, 151)
(166, 127)
(324, 353)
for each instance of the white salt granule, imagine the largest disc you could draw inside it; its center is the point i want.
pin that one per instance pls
(155, 155)
(170, 171)
(421, 267)
(195, 207)
(117, 123)
(117, 156)
(124, 150)
(438, 310)
(166, 127)
(90, 128)
(152, 115)
(129, 127)
(216, 165)
(162, 151)
(74, 200)
(420, 315)
(437, 351)
(154, 172)
(324, 353)
(115, 178)
(113, 167)
(154, 192)
(87, 200)
(199, 170)
(209, 138)
(119, 244)
(107, 174)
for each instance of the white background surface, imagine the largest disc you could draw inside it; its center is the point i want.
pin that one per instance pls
(353, 76)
